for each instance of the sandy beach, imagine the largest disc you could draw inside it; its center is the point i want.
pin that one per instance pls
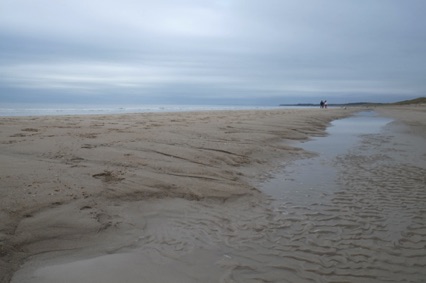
(174, 197)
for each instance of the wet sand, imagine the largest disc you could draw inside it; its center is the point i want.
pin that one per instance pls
(358, 208)
(175, 198)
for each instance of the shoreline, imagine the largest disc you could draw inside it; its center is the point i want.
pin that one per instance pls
(34, 110)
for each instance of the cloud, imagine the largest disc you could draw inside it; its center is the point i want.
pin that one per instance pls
(197, 50)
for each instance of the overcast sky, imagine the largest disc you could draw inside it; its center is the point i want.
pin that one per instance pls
(212, 51)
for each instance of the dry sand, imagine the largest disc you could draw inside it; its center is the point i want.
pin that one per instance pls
(150, 197)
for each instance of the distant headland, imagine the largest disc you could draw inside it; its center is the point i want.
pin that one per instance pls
(420, 100)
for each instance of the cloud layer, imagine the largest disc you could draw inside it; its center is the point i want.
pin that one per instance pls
(222, 51)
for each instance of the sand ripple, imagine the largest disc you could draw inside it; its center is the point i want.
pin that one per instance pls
(373, 229)
(369, 227)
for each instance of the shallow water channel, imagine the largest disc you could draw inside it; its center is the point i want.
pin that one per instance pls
(306, 181)
(357, 209)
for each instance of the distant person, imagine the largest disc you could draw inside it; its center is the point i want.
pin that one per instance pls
(325, 104)
(322, 104)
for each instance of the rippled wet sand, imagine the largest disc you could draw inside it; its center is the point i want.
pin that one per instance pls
(354, 213)
(364, 222)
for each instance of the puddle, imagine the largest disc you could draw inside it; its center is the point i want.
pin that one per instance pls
(345, 133)
(306, 181)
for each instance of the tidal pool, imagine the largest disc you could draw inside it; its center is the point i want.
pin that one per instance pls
(317, 176)
(357, 210)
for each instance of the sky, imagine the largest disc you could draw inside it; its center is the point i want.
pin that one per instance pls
(236, 52)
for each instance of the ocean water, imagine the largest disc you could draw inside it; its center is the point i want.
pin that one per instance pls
(22, 109)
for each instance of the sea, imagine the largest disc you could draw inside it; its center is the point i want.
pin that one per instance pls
(34, 109)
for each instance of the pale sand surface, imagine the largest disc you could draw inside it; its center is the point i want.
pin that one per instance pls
(66, 182)
(160, 197)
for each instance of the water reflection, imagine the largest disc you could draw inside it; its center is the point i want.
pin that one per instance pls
(357, 211)
(309, 179)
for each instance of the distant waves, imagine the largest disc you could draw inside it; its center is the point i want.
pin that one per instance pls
(18, 109)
